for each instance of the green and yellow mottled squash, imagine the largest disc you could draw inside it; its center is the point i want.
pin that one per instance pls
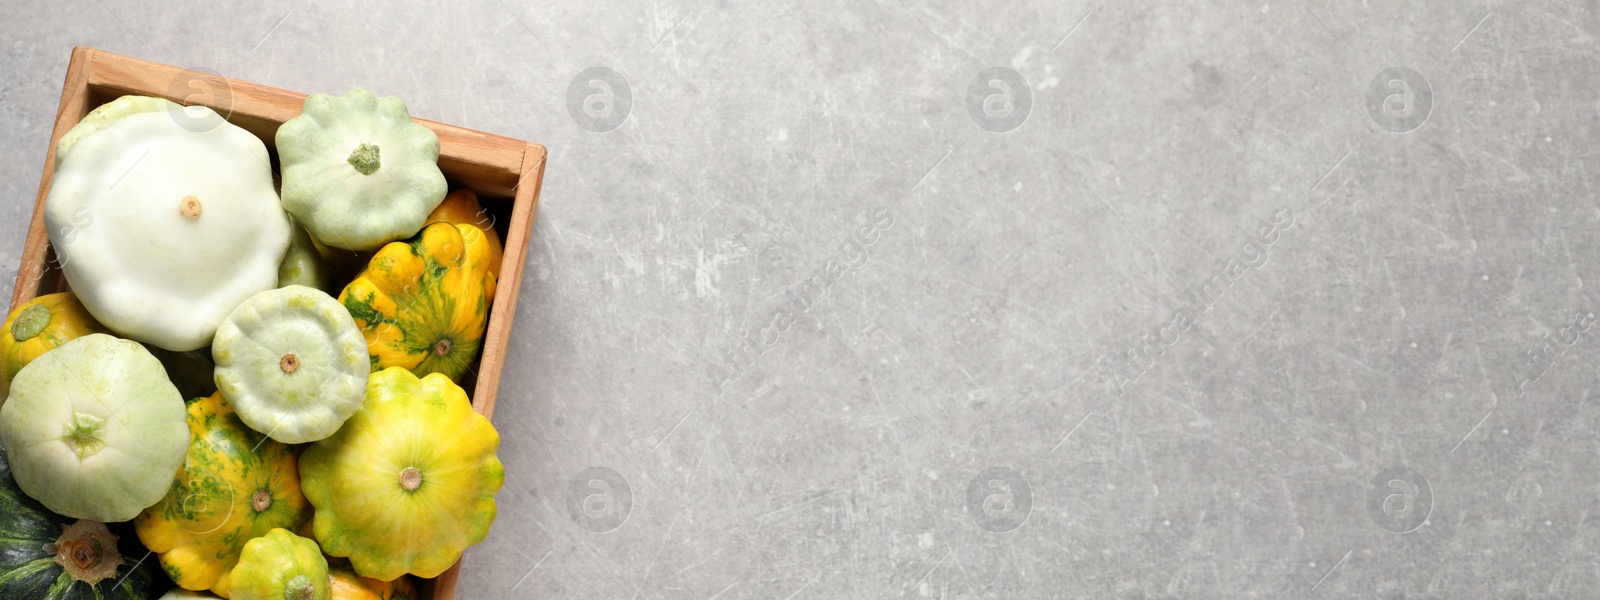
(461, 207)
(39, 326)
(346, 584)
(45, 556)
(423, 304)
(235, 486)
(409, 482)
(280, 566)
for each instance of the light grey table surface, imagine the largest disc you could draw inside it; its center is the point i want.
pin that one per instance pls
(1395, 398)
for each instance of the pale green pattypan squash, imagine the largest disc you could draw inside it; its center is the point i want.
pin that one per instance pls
(357, 171)
(94, 430)
(164, 221)
(293, 364)
(304, 265)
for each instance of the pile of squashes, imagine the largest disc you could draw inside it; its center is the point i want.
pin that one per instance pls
(202, 409)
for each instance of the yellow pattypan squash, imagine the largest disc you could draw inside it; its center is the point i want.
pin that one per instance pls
(281, 565)
(408, 483)
(461, 207)
(423, 304)
(39, 326)
(183, 594)
(346, 584)
(235, 486)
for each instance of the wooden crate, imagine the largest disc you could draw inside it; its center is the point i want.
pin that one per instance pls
(506, 174)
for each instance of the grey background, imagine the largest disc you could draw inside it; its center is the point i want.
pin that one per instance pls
(1389, 328)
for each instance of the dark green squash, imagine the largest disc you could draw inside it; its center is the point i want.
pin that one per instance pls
(43, 554)
(190, 372)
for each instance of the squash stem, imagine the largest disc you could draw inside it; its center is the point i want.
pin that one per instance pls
(189, 207)
(299, 588)
(83, 434)
(365, 158)
(261, 501)
(30, 322)
(87, 551)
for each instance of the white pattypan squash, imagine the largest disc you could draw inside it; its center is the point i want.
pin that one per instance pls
(108, 113)
(94, 430)
(164, 220)
(293, 363)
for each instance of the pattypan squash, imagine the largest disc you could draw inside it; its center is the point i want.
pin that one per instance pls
(45, 556)
(164, 221)
(183, 594)
(409, 482)
(346, 584)
(39, 326)
(304, 265)
(292, 362)
(280, 566)
(357, 171)
(106, 114)
(94, 429)
(461, 208)
(235, 486)
(424, 304)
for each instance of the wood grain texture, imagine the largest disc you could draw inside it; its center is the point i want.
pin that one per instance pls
(501, 316)
(500, 169)
(490, 367)
(503, 313)
(489, 164)
(35, 250)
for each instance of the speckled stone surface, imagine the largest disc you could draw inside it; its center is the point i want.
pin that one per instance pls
(847, 299)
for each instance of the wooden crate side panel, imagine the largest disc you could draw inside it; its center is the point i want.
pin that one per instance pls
(503, 314)
(75, 102)
(487, 163)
